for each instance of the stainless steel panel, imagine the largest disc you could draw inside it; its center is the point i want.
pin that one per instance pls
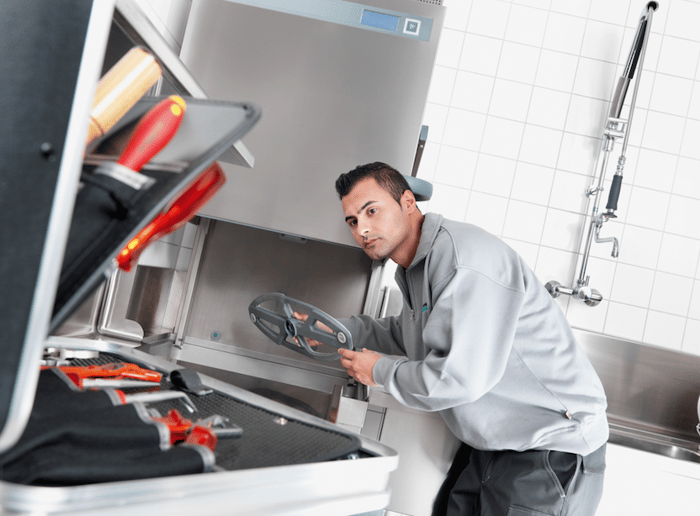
(310, 374)
(134, 24)
(627, 433)
(113, 321)
(129, 307)
(309, 401)
(240, 262)
(154, 298)
(333, 97)
(84, 320)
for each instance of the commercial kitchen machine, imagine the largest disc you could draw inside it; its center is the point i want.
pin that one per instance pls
(60, 245)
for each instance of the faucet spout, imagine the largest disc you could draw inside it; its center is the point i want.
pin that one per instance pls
(616, 244)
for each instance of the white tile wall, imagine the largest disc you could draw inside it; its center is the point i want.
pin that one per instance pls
(518, 100)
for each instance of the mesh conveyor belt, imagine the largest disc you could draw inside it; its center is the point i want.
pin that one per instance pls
(265, 442)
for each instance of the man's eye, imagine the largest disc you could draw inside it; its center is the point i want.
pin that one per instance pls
(352, 223)
(372, 211)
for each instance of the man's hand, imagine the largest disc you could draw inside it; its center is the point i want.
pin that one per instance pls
(360, 364)
(312, 342)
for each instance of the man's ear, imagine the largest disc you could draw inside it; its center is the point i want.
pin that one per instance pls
(408, 201)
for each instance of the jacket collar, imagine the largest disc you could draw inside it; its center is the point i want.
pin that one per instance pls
(431, 226)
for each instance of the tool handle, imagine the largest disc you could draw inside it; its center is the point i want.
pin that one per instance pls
(120, 88)
(229, 432)
(186, 206)
(614, 192)
(153, 132)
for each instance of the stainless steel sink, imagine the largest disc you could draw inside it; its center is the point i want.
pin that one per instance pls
(652, 394)
(654, 440)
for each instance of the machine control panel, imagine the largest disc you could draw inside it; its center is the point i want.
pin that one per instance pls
(353, 14)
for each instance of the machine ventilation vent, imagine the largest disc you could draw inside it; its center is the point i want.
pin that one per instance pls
(434, 2)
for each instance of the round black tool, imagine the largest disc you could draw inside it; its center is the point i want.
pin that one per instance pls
(286, 330)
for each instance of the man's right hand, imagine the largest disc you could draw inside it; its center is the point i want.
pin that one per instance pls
(303, 318)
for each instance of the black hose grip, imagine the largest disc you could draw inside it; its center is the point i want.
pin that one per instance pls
(614, 192)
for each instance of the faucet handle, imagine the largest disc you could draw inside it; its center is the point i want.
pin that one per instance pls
(588, 295)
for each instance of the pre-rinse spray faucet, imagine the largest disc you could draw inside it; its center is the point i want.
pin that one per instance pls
(615, 128)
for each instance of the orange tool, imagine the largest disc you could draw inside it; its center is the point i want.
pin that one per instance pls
(120, 88)
(185, 206)
(183, 430)
(179, 426)
(115, 370)
(203, 437)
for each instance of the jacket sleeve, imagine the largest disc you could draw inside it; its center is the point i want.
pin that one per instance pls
(382, 335)
(468, 337)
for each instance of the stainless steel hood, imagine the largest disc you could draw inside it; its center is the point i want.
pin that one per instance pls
(340, 84)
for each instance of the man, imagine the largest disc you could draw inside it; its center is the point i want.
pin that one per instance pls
(486, 346)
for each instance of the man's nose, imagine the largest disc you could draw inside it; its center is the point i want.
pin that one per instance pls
(362, 228)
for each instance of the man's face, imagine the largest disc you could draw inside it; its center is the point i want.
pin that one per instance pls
(377, 222)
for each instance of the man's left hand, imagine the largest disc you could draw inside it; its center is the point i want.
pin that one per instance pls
(360, 364)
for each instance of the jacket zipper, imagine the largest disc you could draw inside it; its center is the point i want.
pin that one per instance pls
(409, 286)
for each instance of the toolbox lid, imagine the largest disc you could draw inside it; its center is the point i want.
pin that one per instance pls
(209, 127)
(52, 260)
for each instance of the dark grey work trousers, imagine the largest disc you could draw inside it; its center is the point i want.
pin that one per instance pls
(530, 483)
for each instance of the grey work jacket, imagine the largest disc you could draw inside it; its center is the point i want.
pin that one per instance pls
(486, 346)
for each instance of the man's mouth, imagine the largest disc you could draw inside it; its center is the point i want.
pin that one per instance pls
(369, 243)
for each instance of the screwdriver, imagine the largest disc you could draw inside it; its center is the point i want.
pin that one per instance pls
(152, 133)
(185, 206)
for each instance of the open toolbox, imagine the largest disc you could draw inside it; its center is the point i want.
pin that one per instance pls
(62, 236)
(279, 460)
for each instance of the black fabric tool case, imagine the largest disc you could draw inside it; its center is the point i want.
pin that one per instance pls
(75, 437)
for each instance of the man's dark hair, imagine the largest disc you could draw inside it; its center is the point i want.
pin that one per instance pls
(386, 176)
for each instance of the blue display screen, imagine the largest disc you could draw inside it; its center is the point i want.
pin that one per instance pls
(380, 20)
